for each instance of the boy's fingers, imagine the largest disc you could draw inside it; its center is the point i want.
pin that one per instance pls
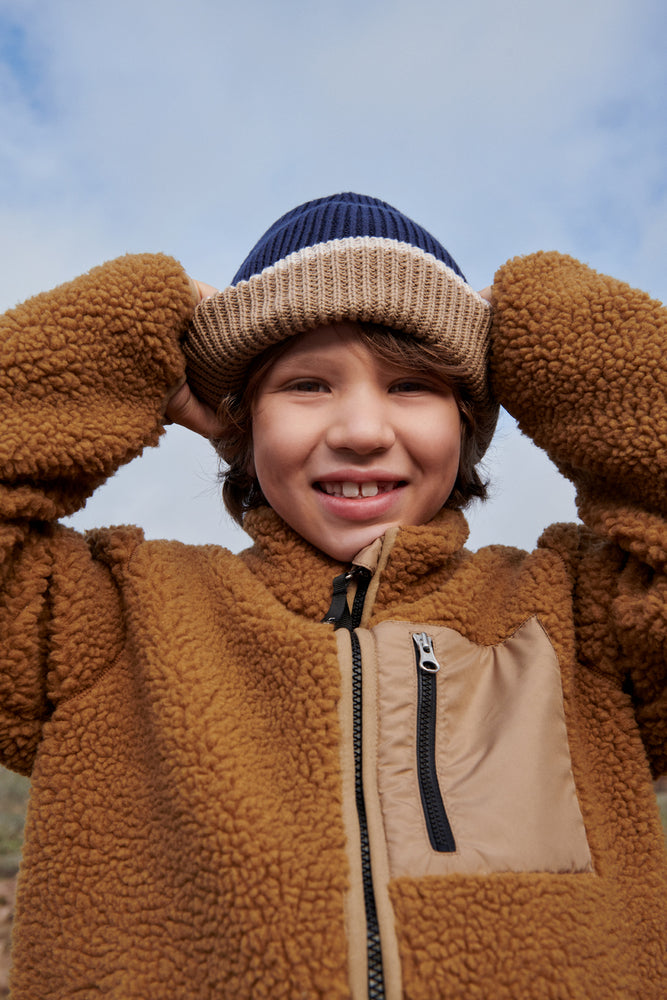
(200, 290)
(185, 409)
(486, 293)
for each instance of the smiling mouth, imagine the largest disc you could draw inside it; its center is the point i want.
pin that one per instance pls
(352, 490)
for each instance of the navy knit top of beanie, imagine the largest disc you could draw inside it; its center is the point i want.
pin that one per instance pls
(337, 217)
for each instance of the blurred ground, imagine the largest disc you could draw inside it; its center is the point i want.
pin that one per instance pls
(7, 894)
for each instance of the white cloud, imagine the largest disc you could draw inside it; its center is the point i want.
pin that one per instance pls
(189, 128)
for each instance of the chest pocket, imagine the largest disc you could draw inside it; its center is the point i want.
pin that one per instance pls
(474, 770)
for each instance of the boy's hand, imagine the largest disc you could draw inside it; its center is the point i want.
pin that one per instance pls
(183, 407)
(201, 291)
(486, 293)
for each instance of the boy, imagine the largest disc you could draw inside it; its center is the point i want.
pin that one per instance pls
(355, 760)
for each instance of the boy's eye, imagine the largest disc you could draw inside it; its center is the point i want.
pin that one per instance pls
(412, 385)
(307, 385)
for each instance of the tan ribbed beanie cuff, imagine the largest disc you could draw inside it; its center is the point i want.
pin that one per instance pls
(359, 279)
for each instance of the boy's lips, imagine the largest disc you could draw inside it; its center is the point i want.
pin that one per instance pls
(359, 497)
(353, 483)
(353, 488)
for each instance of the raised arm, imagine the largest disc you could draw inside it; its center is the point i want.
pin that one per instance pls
(86, 372)
(579, 360)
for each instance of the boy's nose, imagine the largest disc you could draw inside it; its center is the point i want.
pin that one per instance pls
(361, 425)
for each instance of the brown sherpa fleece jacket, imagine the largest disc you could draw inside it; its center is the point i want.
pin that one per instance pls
(231, 798)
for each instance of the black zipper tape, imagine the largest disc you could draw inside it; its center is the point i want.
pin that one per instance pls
(374, 947)
(340, 616)
(437, 824)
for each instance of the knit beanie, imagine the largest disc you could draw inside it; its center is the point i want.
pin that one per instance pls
(346, 257)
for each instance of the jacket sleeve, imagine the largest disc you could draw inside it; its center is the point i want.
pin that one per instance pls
(84, 372)
(578, 359)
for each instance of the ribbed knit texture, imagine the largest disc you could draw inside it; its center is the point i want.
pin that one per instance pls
(361, 279)
(338, 217)
(349, 258)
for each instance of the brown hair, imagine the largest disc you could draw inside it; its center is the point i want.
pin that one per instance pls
(241, 490)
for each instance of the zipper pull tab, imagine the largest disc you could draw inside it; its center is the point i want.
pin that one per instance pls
(339, 612)
(426, 658)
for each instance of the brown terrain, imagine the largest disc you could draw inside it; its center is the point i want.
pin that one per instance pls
(7, 895)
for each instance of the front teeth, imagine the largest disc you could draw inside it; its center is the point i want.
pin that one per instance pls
(351, 490)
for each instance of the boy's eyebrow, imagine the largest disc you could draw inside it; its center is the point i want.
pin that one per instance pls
(305, 354)
(299, 360)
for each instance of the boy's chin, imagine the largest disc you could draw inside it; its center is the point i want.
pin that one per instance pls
(345, 546)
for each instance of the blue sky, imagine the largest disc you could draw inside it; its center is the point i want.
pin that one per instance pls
(188, 129)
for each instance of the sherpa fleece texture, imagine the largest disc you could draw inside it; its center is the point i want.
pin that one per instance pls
(179, 707)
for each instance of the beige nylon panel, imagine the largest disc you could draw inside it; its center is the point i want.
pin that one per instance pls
(502, 755)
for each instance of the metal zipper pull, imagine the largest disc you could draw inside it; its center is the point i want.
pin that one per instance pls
(426, 658)
(437, 822)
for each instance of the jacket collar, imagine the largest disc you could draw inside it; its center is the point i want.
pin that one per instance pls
(300, 576)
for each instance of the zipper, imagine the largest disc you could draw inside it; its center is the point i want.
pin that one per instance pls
(437, 824)
(341, 616)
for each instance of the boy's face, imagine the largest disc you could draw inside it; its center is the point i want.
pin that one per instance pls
(345, 445)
